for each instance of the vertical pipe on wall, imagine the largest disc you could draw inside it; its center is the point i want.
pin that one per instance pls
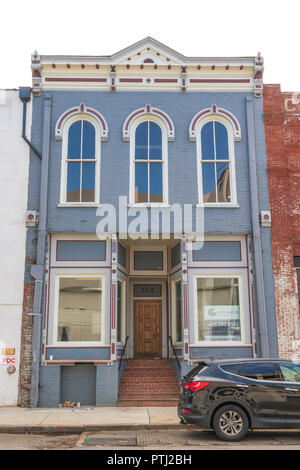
(38, 270)
(258, 264)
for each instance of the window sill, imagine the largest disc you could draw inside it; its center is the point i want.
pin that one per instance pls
(92, 204)
(219, 206)
(149, 204)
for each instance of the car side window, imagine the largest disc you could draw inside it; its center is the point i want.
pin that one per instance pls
(260, 371)
(290, 372)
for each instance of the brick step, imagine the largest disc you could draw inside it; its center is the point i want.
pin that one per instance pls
(136, 379)
(148, 383)
(149, 392)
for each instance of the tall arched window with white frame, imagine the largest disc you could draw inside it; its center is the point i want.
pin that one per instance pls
(215, 131)
(148, 163)
(216, 155)
(81, 162)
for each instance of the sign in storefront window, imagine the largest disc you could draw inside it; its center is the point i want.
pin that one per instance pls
(218, 304)
(79, 309)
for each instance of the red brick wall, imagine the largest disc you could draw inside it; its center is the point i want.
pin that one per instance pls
(282, 128)
(26, 347)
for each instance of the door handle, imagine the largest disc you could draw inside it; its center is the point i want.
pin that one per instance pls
(291, 389)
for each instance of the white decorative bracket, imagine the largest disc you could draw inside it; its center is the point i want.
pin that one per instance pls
(149, 110)
(81, 109)
(215, 110)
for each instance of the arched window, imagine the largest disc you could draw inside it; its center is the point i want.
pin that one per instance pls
(215, 163)
(148, 163)
(81, 129)
(148, 130)
(81, 162)
(215, 131)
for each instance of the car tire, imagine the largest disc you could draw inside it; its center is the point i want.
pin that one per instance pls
(230, 423)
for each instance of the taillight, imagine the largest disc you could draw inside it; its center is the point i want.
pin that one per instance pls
(196, 386)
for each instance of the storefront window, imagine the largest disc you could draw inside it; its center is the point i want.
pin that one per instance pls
(79, 309)
(218, 305)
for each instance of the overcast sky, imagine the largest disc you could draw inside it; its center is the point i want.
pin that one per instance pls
(191, 27)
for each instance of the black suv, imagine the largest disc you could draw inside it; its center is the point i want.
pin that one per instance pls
(231, 396)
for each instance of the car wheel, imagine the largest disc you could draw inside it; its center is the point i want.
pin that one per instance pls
(230, 423)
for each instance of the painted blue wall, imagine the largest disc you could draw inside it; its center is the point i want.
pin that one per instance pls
(115, 107)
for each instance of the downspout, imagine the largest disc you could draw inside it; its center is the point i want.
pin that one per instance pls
(258, 264)
(38, 270)
(25, 96)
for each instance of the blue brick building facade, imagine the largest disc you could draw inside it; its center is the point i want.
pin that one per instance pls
(128, 143)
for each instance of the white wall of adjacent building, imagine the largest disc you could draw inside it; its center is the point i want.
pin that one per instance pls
(14, 166)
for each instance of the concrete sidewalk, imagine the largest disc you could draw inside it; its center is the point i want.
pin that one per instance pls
(69, 420)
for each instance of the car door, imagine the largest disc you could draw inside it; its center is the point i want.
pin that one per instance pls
(291, 385)
(265, 393)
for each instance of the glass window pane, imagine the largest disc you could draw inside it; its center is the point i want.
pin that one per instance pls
(88, 137)
(207, 142)
(73, 182)
(141, 182)
(74, 140)
(88, 182)
(218, 309)
(260, 371)
(176, 255)
(141, 141)
(209, 182)
(155, 142)
(156, 185)
(178, 323)
(79, 310)
(221, 137)
(290, 372)
(148, 260)
(218, 251)
(223, 182)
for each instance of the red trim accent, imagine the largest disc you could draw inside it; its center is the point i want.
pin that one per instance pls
(222, 111)
(219, 80)
(130, 80)
(73, 110)
(164, 116)
(165, 80)
(89, 110)
(131, 117)
(198, 116)
(74, 79)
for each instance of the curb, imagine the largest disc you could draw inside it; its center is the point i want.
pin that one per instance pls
(78, 429)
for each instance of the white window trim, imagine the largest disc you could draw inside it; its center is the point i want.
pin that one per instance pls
(76, 344)
(173, 304)
(244, 310)
(232, 174)
(161, 124)
(64, 163)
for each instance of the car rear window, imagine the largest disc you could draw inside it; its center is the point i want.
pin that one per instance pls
(197, 369)
(260, 371)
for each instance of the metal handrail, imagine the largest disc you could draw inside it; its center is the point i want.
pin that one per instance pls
(123, 351)
(174, 352)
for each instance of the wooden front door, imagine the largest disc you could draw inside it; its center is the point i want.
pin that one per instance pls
(147, 328)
